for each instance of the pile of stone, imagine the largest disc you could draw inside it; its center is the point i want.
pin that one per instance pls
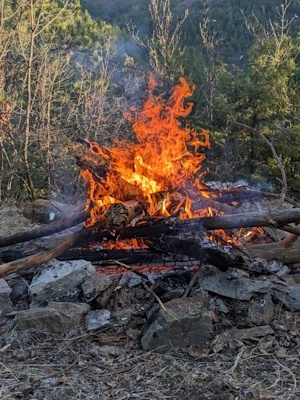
(65, 295)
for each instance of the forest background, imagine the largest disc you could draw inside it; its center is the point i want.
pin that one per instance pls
(70, 69)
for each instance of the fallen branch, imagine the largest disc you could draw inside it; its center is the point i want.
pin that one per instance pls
(291, 239)
(173, 226)
(42, 257)
(24, 236)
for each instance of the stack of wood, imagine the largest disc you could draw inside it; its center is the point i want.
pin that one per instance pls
(136, 215)
(162, 235)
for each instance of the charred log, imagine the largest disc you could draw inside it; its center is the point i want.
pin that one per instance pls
(36, 260)
(173, 226)
(58, 226)
(201, 248)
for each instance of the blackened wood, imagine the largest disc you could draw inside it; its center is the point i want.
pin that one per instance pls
(173, 226)
(201, 248)
(97, 255)
(42, 257)
(58, 226)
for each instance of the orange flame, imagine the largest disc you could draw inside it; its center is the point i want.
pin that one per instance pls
(158, 167)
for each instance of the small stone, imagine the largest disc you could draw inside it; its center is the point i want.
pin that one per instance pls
(19, 290)
(288, 295)
(261, 310)
(5, 291)
(244, 334)
(72, 313)
(122, 317)
(97, 319)
(43, 319)
(173, 294)
(99, 288)
(221, 306)
(109, 351)
(26, 389)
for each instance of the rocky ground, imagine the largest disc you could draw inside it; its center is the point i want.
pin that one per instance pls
(239, 361)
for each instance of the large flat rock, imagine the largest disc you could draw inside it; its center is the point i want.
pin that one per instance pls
(192, 328)
(60, 281)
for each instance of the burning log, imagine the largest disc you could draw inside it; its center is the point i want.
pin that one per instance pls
(119, 215)
(164, 226)
(166, 235)
(173, 226)
(197, 246)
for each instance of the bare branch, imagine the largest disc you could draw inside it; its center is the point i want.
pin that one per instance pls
(277, 158)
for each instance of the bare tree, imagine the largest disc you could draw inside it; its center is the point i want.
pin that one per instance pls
(98, 111)
(39, 22)
(213, 67)
(163, 46)
(10, 17)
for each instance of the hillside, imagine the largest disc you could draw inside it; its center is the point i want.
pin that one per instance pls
(226, 18)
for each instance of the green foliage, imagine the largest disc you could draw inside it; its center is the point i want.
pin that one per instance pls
(76, 75)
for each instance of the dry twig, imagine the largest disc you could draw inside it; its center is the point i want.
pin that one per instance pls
(159, 301)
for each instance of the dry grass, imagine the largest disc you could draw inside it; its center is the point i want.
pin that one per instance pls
(38, 366)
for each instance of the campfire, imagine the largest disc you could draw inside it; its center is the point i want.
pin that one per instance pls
(158, 256)
(157, 177)
(148, 200)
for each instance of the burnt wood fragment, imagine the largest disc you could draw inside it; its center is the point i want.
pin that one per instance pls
(203, 249)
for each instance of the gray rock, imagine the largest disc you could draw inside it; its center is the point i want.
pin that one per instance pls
(277, 267)
(19, 290)
(192, 328)
(44, 319)
(72, 313)
(60, 281)
(97, 319)
(229, 284)
(244, 334)
(219, 305)
(122, 317)
(261, 310)
(99, 288)
(288, 295)
(5, 292)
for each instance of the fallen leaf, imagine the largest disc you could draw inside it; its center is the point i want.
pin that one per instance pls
(195, 351)
(281, 352)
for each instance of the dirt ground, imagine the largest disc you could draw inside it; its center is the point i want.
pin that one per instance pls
(110, 364)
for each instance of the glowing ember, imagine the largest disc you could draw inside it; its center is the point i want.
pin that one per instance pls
(161, 169)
